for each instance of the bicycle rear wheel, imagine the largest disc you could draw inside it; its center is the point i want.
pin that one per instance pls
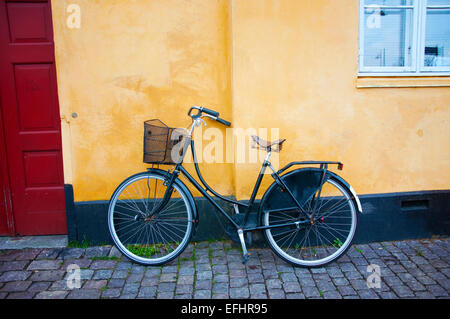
(318, 233)
(142, 232)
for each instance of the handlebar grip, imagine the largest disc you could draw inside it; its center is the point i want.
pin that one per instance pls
(210, 112)
(223, 122)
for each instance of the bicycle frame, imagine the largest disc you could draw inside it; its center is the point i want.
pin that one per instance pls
(248, 206)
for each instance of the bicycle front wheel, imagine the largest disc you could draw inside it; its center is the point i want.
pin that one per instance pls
(142, 229)
(318, 233)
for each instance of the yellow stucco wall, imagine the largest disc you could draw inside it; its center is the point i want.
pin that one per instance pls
(287, 64)
(132, 61)
(298, 61)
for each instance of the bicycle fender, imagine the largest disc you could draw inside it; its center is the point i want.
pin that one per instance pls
(350, 188)
(307, 176)
(186, 190)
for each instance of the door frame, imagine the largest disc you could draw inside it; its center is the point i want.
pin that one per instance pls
(4, 175)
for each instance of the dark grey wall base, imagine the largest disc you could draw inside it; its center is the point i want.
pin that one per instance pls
(386, 217)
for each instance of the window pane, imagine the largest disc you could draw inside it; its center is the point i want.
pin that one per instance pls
(437, 38)
(438, 2)
(388, 37)
(389, 2)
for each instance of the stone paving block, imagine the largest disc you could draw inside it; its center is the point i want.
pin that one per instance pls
(60, 285)
(204, 275)
(21, 295)
(351, 275)
(99, 251)
(295, 296)
(437, 291)
(220, 269)
(203, 284)
(166, 287)
(29, 254)
(44, 265)
(47, 275)
(239, 293)
(152, 272)
(103, 264)
(10, 255)
(111, 293)
(116, 283)
(323, 276)
(80, 262)
(255, 278)
(335, 272)
(367, 294)
(324, 285)
(188, 280)
(359, 284)
(288, 277)
(202, 294)
(220, 288)
(186, 271)
(15, 286)
(168, 278)
(13, 265)
(86, 274)
(84, 294)
(222, 277)
(340, 281)
(403, 291)
(270, 274)
(200, 267)
(387, 295)
(239, 282)
(103, 274)
(140, 269)
(39, 286)
(276, 294)
(332, 294)
(14, 275)
(52, 295)
(425, 295)
(346, 290)
(71, 253)
(130, 288)
(95, 284)
(307, 282)
(119, 274)
(291, 287)
(147, 292)
(114, 252)
(124, 265)
(310, 292)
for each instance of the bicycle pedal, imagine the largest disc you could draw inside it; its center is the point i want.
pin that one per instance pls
(245, 258)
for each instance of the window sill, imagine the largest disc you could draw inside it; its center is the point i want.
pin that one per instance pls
(401, 82)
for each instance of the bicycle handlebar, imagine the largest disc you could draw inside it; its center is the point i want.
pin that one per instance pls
(214, 114)
(226, 123)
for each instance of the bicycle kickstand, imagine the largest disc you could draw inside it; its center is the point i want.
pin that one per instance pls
(246, 255)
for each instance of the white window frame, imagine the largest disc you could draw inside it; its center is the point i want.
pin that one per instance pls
(417, 67)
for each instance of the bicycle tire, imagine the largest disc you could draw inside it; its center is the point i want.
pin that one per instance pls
(154, 243)
(340, 247)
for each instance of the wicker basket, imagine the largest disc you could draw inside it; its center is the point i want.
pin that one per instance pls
(159, 142)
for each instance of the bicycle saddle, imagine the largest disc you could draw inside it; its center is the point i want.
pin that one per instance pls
(268, 145)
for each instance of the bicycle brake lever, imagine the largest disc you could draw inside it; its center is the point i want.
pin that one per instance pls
(197, 122)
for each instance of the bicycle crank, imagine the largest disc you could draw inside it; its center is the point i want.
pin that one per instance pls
(246, 254)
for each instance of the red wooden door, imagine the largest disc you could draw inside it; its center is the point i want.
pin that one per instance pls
(31, 119)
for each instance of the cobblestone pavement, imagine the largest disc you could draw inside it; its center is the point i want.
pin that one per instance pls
(409, 269)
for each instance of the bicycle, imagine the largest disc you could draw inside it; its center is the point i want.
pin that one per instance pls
(308, 215)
